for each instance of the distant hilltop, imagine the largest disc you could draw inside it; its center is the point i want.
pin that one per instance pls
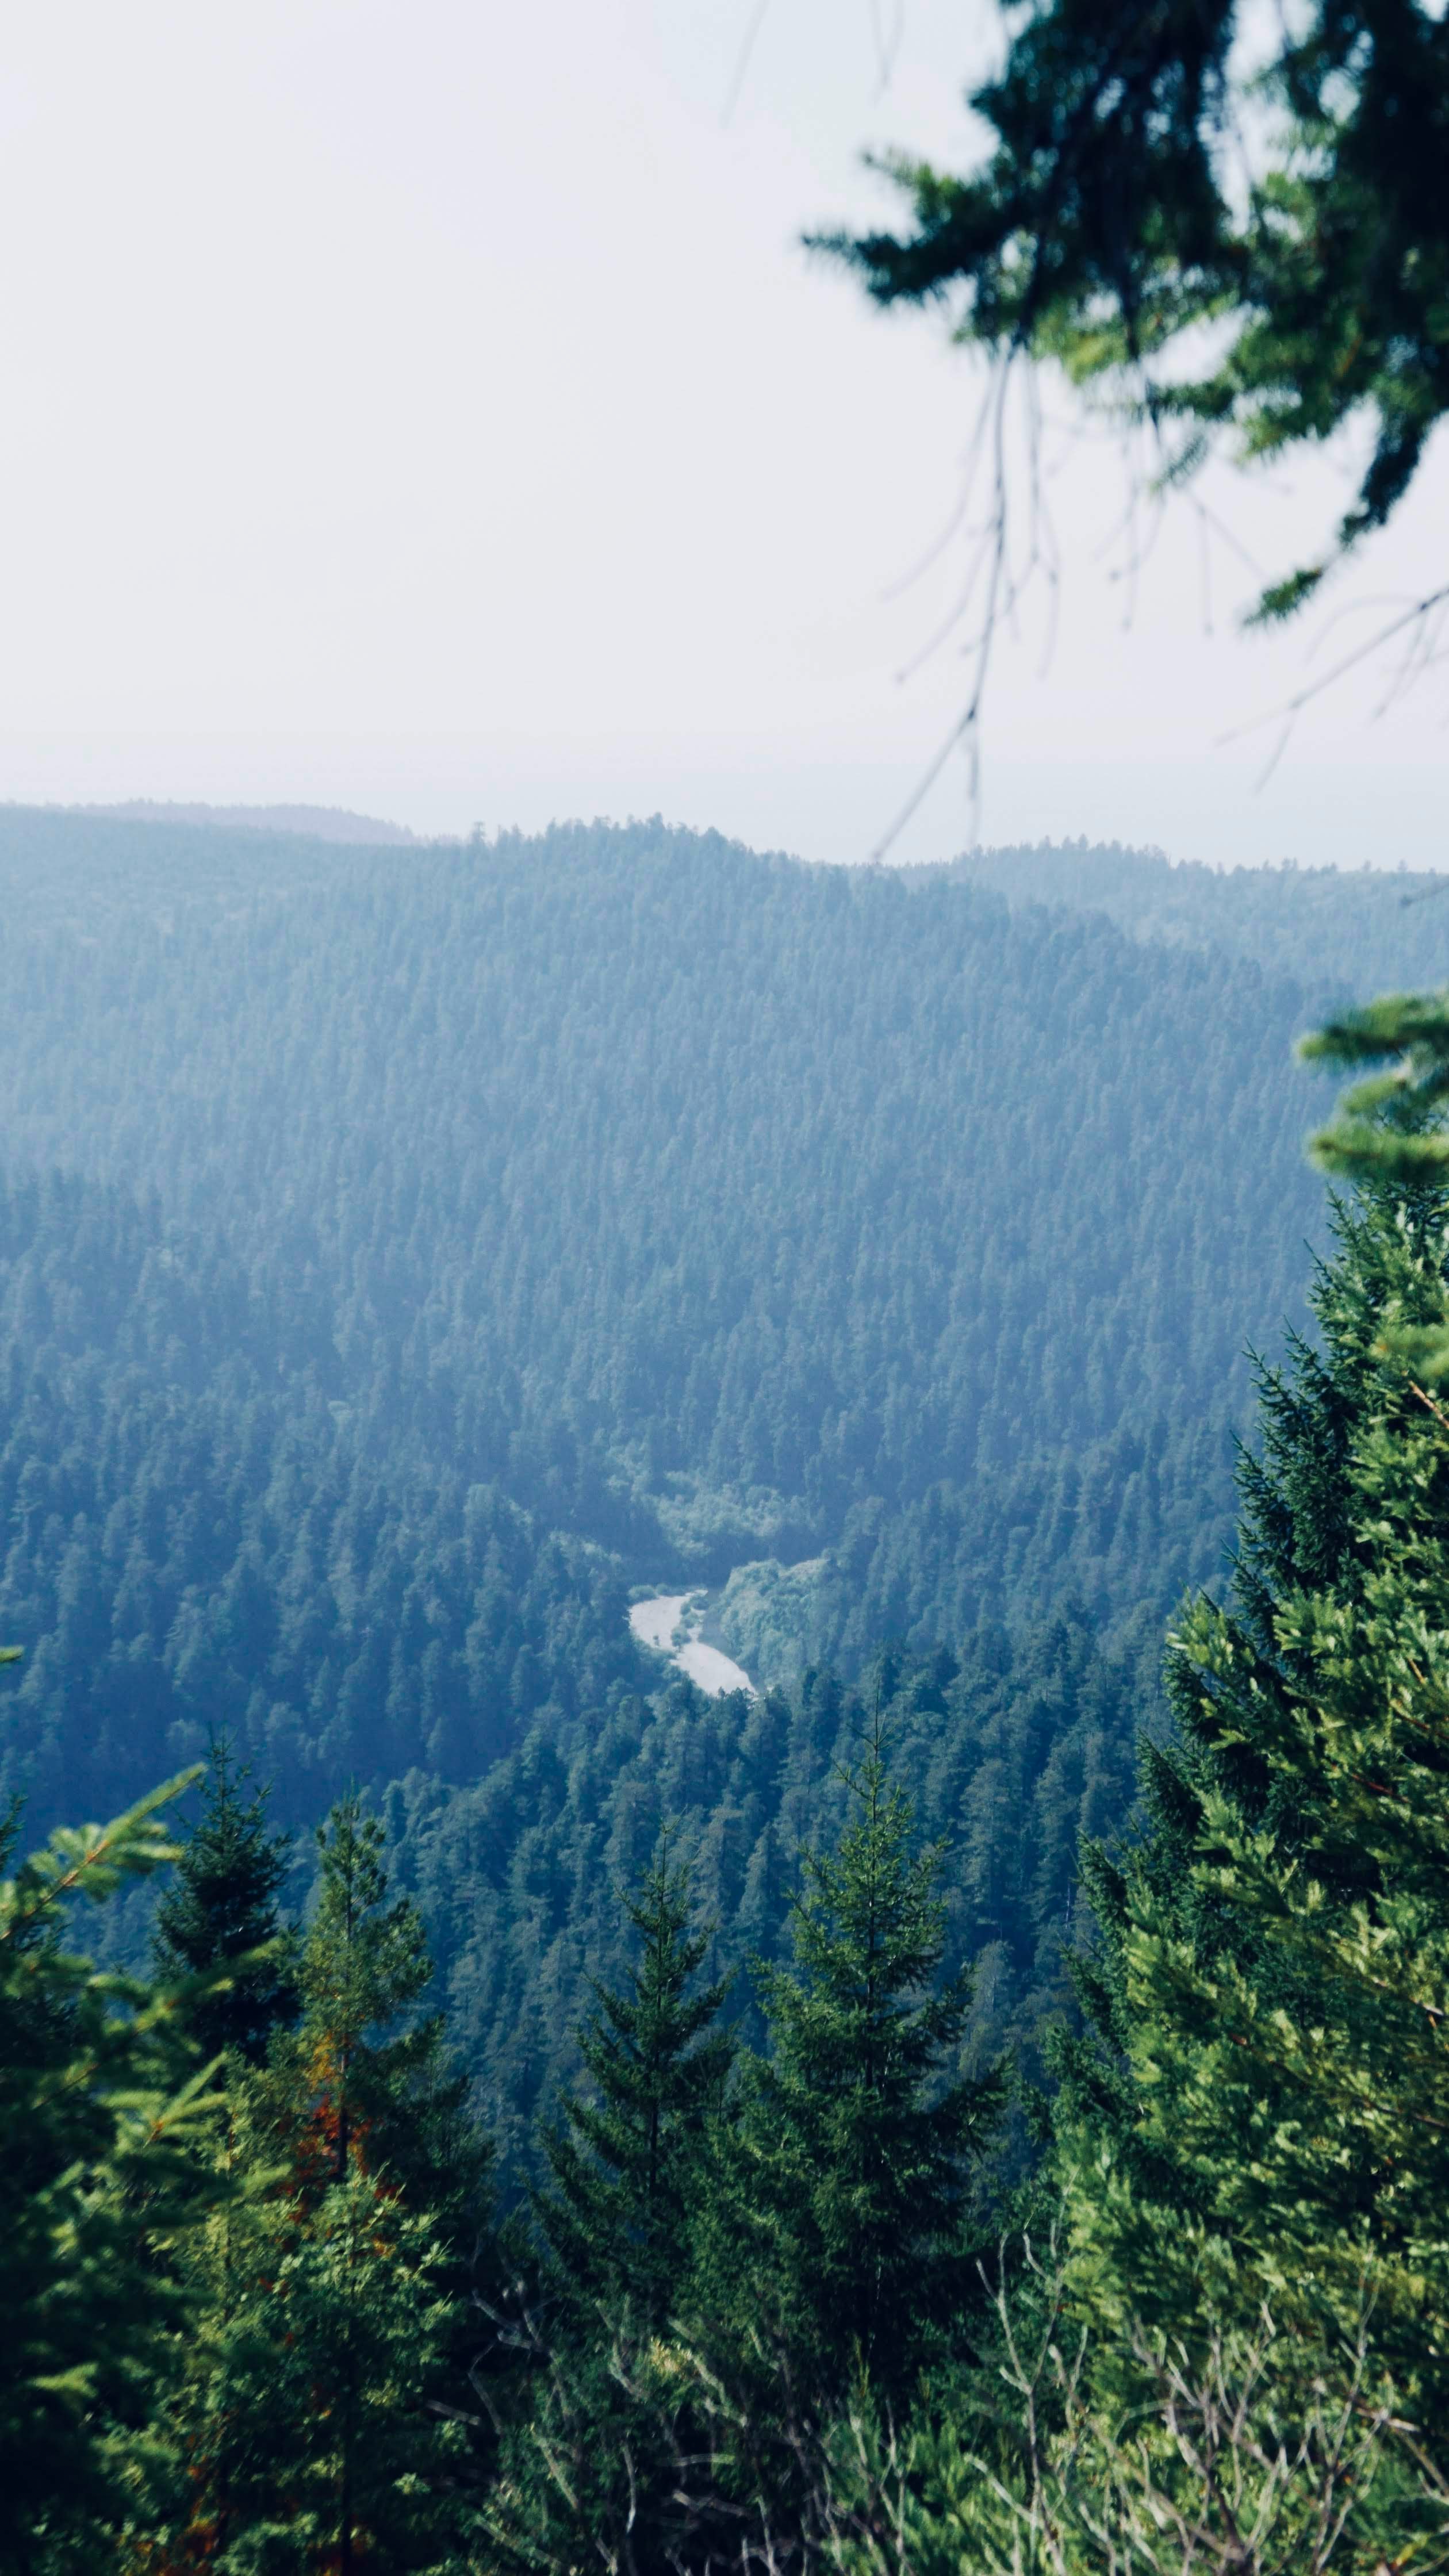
(315, 822)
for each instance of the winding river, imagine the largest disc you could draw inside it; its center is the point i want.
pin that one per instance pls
(657, 1623)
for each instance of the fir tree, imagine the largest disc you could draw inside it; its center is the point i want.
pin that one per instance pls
(1106, 223)
(1231, 1672)
(327, 2403)
(366, 2080)
(627, 2166)
(107, 2117)
(591, 2466)
(321, 2411)
(1268, 2133)
(219, 1916)
(364, 1965)
(848, 2214)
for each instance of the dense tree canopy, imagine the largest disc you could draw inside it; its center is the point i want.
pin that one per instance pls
(785, 2002)
(444, 1244)
(1011, 1750)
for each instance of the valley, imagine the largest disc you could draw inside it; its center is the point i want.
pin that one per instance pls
(405, 1257)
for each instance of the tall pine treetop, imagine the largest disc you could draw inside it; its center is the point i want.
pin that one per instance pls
(856, 2150)
(219, 1917)
(626, 2167)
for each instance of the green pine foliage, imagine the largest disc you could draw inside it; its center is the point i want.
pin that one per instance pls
(218, 1919)
(593, 2457)
(107, 2115)
(364, 1965)
(819, 2241)
(1229, 1677)
(1224, 2342)
(316, 2409)
(844, 2227)
(626, 2169)
(367, 2075)
(327, 2418)
(1253, 2154)
(1238, 232)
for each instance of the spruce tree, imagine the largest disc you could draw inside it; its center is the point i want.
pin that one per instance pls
(1248, 2346)
(363, 1968)
(847, 2217)
(1230, 1673)
(107, 2118)
(627, 2165)
(322, 2415)
(327, 2404)
(1266, 2130)
(218, 1918)
(591, 2466)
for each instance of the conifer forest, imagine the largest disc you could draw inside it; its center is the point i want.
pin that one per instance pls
(724, 1541)
(959, 2087)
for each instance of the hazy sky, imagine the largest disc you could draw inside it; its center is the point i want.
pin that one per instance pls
(429, 408)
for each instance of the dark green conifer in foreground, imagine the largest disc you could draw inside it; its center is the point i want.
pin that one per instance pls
(1250, 2163)
(219, 1919)
(846, 2224)
(1231, 1674)
(364, 1965)
(627, 2168)
(1274, 1953)
(327, 2408)
(107, 2120)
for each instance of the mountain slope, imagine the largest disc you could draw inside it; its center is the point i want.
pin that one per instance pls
(715, 1207)
(1339, 932)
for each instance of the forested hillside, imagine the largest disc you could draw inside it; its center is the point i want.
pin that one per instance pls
(808, 2278)
(194, 1540)
(453, 1238)
(1339, 932)
(404, 1256)
(1012, 1749)
(404, 1260)
(715, 1206)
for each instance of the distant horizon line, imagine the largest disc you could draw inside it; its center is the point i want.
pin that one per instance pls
(345, 826)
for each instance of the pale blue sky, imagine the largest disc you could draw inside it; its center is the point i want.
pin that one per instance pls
(429, 408)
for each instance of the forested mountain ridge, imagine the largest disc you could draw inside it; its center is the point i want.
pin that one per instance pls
(309, 822)
(405, 1260)
(1339, 932)
(707, 1208)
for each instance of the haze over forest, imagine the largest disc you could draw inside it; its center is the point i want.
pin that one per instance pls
(724, 1536)
(411, 1255)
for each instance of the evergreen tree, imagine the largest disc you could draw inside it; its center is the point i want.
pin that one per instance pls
(1231, 1672)
(364, 1965)
(1389, 1127)
(848, 2216)
(593, 2462)
(327, 2402)
(627, 2166)
(219, 1917)
(321, 2413)
(106, 2116)
(1266, 2134)
(1245, 2358)
(366, 2079)
(1134, 190)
